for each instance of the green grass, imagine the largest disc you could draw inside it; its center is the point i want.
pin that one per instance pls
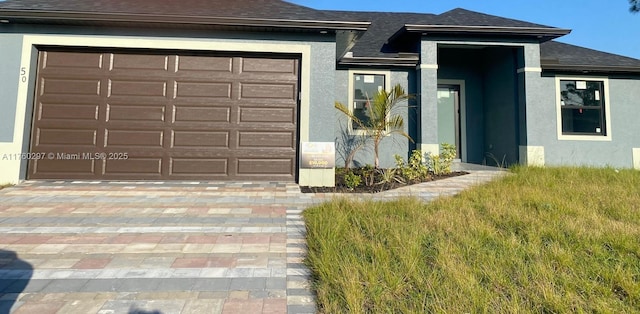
(552, 240)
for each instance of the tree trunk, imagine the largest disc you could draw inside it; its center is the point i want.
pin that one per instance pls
(376, 161)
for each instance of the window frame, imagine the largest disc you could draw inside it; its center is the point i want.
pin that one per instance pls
(352, 73)
(606, 110)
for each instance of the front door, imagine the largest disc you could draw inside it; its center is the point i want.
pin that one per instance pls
(449, 116)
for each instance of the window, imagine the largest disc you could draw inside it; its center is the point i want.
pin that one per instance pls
(364, 85)
(583, 112)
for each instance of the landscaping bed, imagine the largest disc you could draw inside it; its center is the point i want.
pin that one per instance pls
(379, 184)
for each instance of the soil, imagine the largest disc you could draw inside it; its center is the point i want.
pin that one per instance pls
(341, 187)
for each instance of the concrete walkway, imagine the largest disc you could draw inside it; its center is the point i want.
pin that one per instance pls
(172, 247)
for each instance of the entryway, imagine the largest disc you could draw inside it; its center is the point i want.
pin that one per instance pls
(449, 123)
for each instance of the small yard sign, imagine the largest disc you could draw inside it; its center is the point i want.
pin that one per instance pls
(318, 155)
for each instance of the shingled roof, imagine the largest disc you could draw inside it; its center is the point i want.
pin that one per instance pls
(557, 56)
(393, 36)
(267, 9)
(462, 17)
(271, 13)
(387, 38)
(374, 42)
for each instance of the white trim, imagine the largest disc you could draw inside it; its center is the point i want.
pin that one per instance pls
(10, 171)
(387, 86)
(424, 66)
(636, 158)
(607, 111)
(463, 114)
(530, 69)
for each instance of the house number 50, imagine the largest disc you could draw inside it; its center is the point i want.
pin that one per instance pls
(23, 74)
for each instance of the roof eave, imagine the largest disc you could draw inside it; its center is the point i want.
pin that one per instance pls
(590, 68)
(380, 61)
(543, 33)
(64, 17)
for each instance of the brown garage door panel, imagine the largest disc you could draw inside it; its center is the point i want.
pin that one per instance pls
(176, 116)
(278, 115)
(66, 164)
(269, 91)
(185, 113)
(66, 137)
(199, 167)
(69, 87)
(137, 88)
(219, 139)
(270, 65)
(265, 166)
(134, 138)
(124, 112)
(198, 63)
(134, 166)
(86, 112)
(266, 139)
(203, 89)
(139, 62)
(70, 60)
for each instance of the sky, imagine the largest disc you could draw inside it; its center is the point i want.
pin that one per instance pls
(605, 25)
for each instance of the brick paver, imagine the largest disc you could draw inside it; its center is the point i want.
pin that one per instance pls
(166, 247)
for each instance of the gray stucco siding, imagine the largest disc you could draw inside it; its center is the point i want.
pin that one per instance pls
(323, 78)
(624, 101)
(10, 76)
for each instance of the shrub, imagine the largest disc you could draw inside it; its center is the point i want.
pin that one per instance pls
(352, 180)
(415, 169)
(441, 164)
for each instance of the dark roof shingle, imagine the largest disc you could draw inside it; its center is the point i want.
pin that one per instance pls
(374, 43)
(264, 9)
(462, 17)
(560, 56)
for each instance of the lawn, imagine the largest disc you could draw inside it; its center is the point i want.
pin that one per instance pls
(552, 240)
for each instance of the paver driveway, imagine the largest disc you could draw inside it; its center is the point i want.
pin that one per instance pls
(123, 247)
(97, 247)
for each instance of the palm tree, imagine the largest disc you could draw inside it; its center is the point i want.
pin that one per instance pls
(382, 122)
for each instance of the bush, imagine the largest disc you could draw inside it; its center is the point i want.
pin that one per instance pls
(352, 180)
(415, 169)
(441, 164)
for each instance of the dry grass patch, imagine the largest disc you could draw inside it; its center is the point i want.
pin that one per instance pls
(541, 240)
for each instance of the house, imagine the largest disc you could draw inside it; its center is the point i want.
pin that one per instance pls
(219, 90)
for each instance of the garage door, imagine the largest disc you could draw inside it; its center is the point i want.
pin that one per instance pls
(132, 115)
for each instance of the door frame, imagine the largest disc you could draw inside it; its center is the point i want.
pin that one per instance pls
(462, 116)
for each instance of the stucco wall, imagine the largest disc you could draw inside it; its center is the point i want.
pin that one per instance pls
(624, 98)
(10, 77)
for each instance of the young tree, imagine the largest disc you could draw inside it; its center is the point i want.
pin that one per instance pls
(381, 119)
